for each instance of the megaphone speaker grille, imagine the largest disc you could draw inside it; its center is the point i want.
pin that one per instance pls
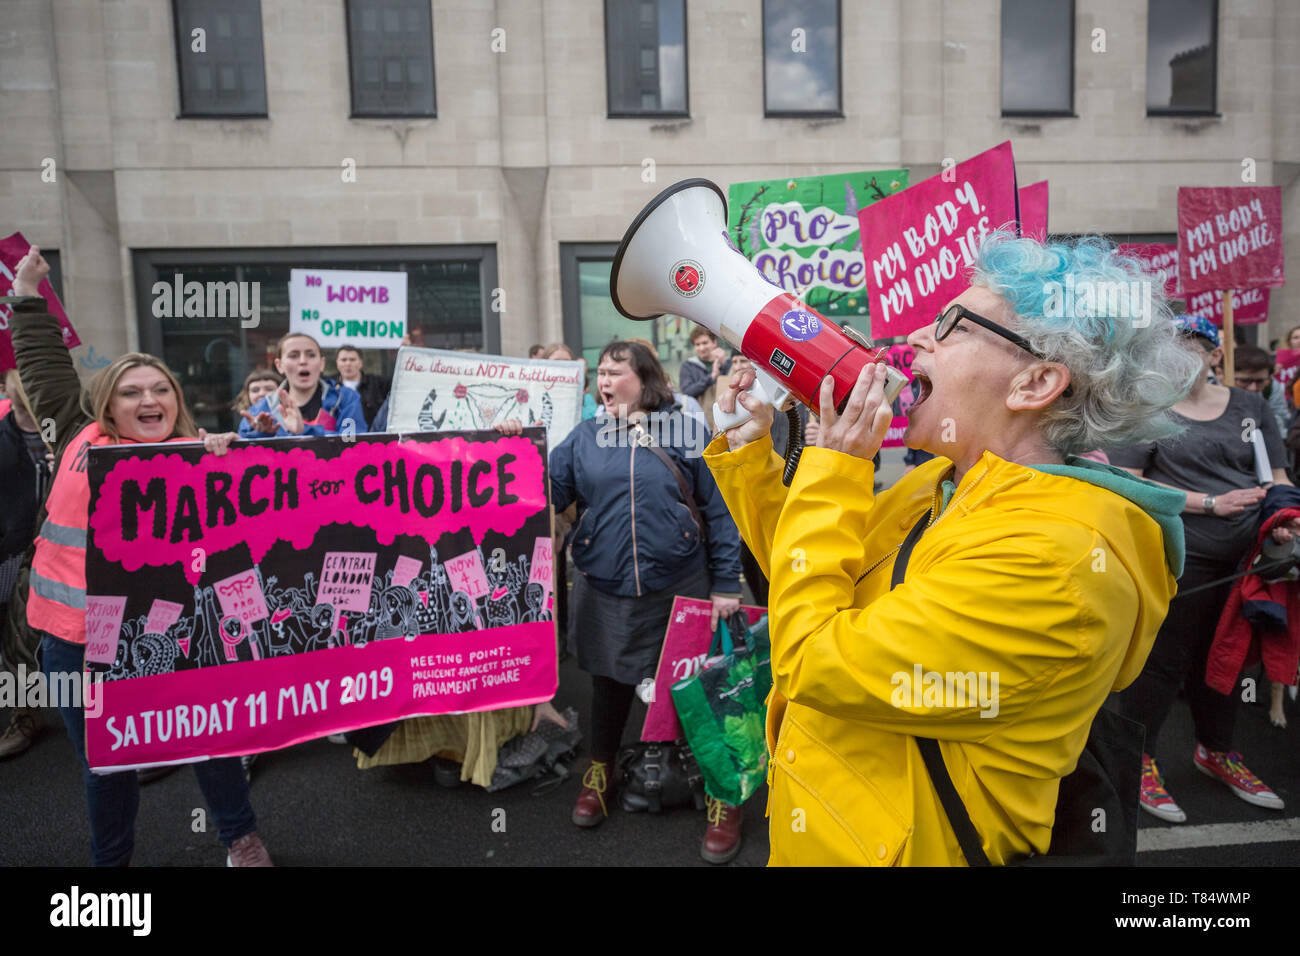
(687, 274)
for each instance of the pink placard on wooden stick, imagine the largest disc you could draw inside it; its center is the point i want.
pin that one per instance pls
(12, 250)
(1229, 237)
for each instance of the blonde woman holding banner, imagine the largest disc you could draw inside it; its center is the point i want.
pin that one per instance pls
(134, 399)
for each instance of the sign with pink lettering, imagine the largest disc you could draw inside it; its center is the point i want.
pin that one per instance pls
(900, 357)
(313, 595)
(686, 646)
(162, 615)
(240, 596)
(12, 250)
(1229, 237)
(345, 580)
(543, 569)
(467, 574)
(1033, 211)
(341, 307)
(919, 244)
(1159, 258)
(103, 628)
(405, 570)
(1249, 306)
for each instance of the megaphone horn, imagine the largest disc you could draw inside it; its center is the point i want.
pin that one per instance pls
(677, 257)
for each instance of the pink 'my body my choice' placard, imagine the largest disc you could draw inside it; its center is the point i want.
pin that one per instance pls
(919, 243)
(686, 645)
(1249, 306)
(1160, 258)
(1033, 211)
(1229, 237)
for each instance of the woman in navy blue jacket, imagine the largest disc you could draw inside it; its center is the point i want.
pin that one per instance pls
(636, 544)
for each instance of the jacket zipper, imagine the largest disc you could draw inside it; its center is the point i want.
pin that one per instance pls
(934, 518)
(631, 470)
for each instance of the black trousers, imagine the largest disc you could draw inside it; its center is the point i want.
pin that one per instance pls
(611, 702)
(1179, 656)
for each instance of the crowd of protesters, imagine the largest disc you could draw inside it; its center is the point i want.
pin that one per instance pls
(704, 526)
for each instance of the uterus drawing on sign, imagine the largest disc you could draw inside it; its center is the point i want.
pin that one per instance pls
(480, 405)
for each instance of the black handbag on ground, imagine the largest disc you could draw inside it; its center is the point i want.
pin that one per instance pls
(658, 776)
(1101, 791)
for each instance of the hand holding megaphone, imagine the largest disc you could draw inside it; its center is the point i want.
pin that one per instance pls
(744, 416)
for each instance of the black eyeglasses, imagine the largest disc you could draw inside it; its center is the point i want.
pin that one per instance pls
(948, 319)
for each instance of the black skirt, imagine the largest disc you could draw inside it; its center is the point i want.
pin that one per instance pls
(620, 637)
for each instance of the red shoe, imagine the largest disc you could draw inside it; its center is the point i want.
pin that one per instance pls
(248, 851)
(597, 783)
(722, 838)
(1227, 767)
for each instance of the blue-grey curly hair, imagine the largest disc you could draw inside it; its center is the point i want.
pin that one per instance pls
(1106, 318)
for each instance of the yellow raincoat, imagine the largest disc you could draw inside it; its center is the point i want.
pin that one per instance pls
(1029, 598)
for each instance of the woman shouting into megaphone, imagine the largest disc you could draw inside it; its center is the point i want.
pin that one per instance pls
(1032, 581)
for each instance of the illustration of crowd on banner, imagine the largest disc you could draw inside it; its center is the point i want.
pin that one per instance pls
(386, 559)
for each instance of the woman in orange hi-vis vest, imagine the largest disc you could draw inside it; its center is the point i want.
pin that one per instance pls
(134, 399)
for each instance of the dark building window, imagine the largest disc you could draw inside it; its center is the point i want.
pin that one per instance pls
(1182, 56)
(591, 322)
(448, 288)
(801, 57)
(390, 46)
(645, 57)
(221, 69)
(1037, 57)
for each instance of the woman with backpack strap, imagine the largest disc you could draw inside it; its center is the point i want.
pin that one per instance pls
(1035, 588)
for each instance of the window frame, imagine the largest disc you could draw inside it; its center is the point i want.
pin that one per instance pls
(177, 39)
(1213, 110)
(685, 113)
(352, 93)
(1069, 113)
(838, 112)
(573, 254)
(145, 262)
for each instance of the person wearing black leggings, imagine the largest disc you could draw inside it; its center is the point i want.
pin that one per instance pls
(1214, 463)
(651, 526)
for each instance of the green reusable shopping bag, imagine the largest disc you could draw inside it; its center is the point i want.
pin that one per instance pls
(723, 710)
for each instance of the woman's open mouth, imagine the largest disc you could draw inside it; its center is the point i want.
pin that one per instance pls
(921, 388)
(150, 418)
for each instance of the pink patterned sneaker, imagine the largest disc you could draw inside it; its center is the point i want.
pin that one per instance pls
(248, 851)
(1229, 768)
(1154, 797)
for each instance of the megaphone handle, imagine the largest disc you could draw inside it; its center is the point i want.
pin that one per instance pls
(765, 388)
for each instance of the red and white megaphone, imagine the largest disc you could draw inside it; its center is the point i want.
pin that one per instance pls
(676, 257)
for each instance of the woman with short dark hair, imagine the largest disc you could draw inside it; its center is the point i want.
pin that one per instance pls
(638, 544)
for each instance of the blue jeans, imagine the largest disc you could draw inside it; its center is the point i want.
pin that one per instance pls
(114, 798)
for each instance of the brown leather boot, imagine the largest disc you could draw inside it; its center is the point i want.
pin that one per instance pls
(722, 838)
(597, 785)
(22, 730)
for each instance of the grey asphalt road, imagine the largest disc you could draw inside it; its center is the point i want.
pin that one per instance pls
(316, 809)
